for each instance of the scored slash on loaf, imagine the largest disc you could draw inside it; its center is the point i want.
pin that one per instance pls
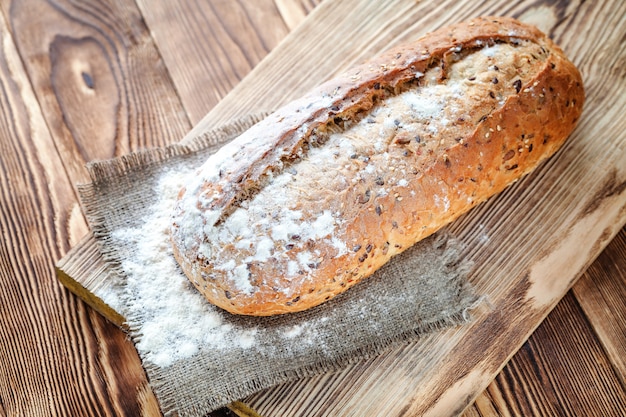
(327, 189)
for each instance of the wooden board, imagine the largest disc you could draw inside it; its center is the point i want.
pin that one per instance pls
(560, 13)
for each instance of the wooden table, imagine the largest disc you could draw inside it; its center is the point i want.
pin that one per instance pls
(97, 79)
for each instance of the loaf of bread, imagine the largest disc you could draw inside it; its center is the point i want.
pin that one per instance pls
(327, 189)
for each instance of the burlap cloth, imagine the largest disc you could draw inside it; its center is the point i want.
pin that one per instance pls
(419, 291)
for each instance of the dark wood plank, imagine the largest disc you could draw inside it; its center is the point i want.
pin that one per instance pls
(57, 357)
(562, 370)
(98, 77)
(601, 293)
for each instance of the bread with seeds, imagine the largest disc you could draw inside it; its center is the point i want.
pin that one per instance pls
(327, 189)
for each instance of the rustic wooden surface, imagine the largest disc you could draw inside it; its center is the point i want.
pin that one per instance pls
(97, 79)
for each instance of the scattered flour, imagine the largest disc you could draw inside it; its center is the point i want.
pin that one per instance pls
(178, 320)
(293, 332)
(247, 338)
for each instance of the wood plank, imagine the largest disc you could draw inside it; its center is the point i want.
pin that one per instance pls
(590, 220)
(98, 77)
(561, 370)
(212, 45)
(55, 353)
(84, 260)
(601, 293)
(293, 13)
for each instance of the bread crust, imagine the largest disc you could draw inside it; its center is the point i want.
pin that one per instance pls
(499, 144)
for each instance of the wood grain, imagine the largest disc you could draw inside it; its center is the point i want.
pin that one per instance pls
(104, 91)
(209, 46)
(601, 293)
(55, 353)
(559, 371)
(98, 78)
